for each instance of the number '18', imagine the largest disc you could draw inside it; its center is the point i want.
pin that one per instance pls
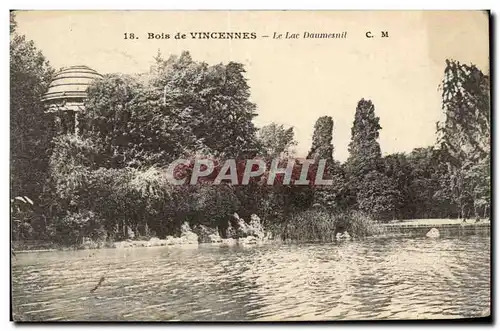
(129, 35)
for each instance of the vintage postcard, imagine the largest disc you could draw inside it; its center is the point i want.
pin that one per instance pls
(250, 165)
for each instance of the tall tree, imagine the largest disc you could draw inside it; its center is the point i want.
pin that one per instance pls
(31, 128)
(375, 192)
(332, 197)
(465, 136)
(465, 132)
(322, 147)
(364, 149)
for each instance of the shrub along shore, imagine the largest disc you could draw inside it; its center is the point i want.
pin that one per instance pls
(298, 230)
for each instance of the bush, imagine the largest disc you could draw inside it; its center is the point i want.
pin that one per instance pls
(244, 229)
(307, 226)
(255, 227)
(74, 227)
(361, 225)
(315, 225)
(187, 235)
(204, 233)
(21, 213)
(231, 232)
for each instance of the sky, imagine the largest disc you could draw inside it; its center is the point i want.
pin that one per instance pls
(292, 81)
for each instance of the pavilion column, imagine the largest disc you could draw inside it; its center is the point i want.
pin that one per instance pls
(76, 123)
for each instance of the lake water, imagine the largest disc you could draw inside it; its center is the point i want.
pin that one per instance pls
(372, 279)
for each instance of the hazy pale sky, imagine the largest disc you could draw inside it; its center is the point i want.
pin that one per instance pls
(293, 82)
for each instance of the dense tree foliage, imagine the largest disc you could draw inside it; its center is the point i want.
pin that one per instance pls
(375, 192)
(134, 126)
(465, 133)
(332, 197)
(322, 147)
(276, 140)
(31, 131)
(364, 149)
(30, 75)
(464, 136)
(212, 102)
(109, 181)
(126, 119)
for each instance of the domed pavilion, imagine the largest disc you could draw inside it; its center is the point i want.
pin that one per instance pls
(66, 95)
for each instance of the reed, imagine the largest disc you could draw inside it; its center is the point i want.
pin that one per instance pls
(322, 226)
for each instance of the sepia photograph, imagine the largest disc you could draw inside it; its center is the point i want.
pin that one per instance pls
(250, 166)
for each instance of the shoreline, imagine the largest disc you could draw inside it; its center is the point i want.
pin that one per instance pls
(138, 244)
(404, 229)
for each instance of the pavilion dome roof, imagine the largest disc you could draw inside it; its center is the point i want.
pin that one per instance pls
(71, 83)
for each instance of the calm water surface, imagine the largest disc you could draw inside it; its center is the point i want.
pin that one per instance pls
(370, 279)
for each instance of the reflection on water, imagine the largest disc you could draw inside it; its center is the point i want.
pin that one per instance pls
(371, 279)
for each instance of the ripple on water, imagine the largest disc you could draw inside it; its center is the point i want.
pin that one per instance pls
(372, 279)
